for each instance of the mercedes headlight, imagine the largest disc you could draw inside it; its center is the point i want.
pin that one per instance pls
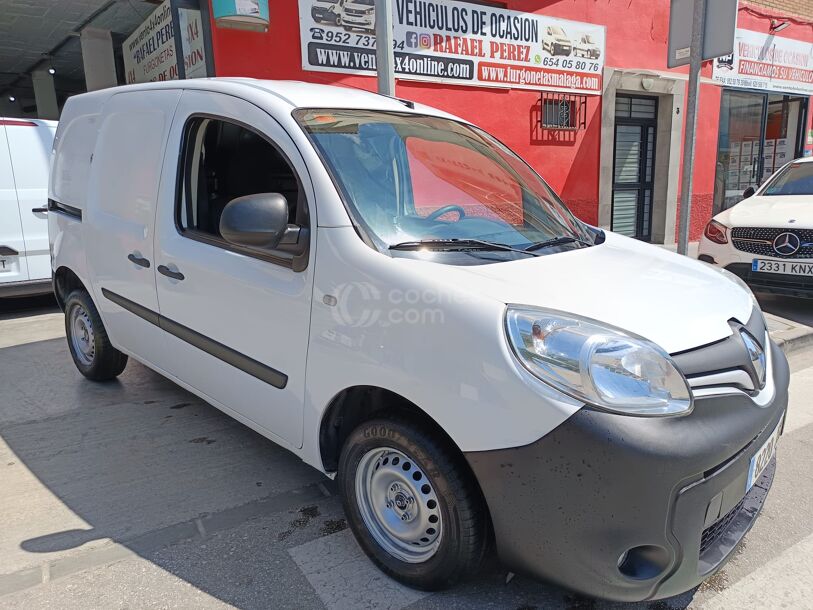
(597, 364)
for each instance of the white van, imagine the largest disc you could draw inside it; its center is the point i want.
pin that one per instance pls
(25, 150)
(394, 296)
(359, 15)
(327, 11)
(555, 41)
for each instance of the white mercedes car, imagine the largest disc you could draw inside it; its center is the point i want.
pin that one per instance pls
(767, 239)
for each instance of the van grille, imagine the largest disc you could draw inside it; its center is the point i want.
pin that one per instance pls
(725, 363)
(715, 531)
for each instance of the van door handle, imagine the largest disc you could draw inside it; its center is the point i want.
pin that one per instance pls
(175, 275)
(41, 210)
(139, 260)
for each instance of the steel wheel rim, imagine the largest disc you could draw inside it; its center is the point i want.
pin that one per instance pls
(82, 340)
(399, 505)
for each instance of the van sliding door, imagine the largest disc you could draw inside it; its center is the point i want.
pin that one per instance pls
(120, 215)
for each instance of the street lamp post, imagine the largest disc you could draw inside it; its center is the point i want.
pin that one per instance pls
(384, 57)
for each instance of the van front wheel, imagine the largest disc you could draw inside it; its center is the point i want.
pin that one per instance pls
(88, 343)
(412, 503)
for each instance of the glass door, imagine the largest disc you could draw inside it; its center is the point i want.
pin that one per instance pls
(785, 117)
(759, 133)
(634, 165)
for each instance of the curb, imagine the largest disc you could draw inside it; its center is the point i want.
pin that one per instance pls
(791, 336)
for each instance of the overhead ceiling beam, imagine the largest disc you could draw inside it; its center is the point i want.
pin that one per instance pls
(55, 49)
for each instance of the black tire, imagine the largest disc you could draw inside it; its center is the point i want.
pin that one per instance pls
(464, 516)
(105, 362)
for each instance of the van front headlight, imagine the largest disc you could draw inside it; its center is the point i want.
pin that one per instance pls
(597, 364)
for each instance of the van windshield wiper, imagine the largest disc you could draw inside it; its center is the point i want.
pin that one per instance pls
(457, 244)
(556, 241)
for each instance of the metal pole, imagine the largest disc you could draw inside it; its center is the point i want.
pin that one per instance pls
(695, 62)
(208, 45)
(384, 58)
(177, 38)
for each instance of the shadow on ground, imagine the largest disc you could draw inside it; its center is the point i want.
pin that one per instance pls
(143, 463)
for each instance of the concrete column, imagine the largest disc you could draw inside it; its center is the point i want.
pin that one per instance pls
(97, 57)
(45, 95)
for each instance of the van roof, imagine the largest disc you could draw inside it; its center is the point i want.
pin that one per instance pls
(294, 94)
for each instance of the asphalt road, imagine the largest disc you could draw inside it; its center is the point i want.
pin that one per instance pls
(798, 310)
(136, 494)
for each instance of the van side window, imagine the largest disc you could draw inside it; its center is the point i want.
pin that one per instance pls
(223, 161)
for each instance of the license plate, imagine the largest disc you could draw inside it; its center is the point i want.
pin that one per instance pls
(763, 456)
(787, 267)
(5, 265)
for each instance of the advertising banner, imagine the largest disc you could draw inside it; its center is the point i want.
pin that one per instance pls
(766, 61)
(456, 42)
(149, 52)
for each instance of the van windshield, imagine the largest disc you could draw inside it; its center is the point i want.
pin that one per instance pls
(411, 178)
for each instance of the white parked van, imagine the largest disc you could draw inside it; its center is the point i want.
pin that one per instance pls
(25, 151)
(359, 15)
(327, 11)
(393, 295)
(555, 41)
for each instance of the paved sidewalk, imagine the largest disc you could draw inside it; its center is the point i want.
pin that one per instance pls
(790, 335)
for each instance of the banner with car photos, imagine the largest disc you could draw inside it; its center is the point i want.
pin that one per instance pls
(766, 61)
(456, 42)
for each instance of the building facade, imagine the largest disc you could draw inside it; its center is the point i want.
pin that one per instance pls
(609, 142)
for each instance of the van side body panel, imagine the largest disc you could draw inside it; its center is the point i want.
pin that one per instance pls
(384, 332)
(73, 148)
(119, 214)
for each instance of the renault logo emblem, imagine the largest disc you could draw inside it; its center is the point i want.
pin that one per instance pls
(786, 244)
(756, 355)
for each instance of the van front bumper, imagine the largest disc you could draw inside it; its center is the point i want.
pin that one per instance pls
(617, 507)
(364, 22)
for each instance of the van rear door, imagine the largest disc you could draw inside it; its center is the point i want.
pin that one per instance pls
(30, 143)
(13, 266)
(119, 217)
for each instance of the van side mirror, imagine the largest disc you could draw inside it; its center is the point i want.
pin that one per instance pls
(748, 192)
(255, 221)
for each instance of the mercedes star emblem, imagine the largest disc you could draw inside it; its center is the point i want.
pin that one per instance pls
(786, 244)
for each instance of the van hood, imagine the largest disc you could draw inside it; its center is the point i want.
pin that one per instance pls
(776, 211)
(674, 301)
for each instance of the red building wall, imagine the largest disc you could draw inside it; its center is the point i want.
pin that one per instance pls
(637, 32)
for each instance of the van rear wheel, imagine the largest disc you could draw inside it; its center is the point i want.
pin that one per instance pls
(88, 342)
(412, 503)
